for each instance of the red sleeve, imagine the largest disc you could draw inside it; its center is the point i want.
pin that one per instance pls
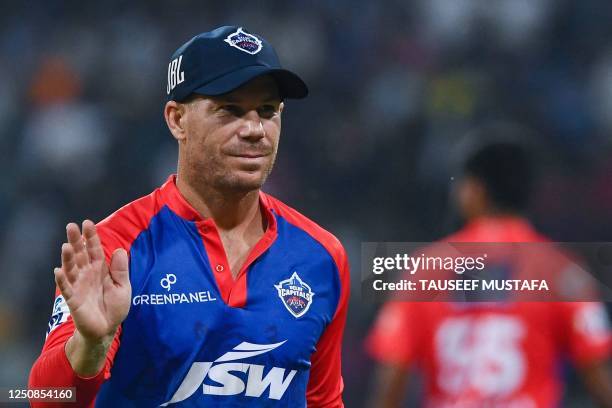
(394, 336)
(587, 331)
(325, 384)
(52, 368)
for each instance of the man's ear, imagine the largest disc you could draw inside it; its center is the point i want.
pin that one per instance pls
(174, 113)
(281, 106)
(471, 197)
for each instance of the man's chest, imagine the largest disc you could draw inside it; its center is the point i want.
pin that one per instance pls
(177, 301)
(181, 328)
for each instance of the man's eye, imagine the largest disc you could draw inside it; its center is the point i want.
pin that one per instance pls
(267, 110)
(232, 109)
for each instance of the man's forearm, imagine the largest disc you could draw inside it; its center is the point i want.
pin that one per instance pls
(53, 367)
(390, 384)
(598, 379)
(87, 357)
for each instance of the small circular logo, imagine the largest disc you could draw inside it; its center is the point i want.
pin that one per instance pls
(168, 281)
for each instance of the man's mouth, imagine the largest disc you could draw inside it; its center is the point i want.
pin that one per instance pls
(249, 155)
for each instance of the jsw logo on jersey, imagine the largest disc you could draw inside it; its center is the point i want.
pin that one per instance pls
(256, 382)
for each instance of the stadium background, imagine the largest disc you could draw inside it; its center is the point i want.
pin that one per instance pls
(369, 155)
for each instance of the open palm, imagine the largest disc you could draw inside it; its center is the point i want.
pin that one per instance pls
(98, 295)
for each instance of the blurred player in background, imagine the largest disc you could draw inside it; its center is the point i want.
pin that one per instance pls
(229, 297)
(490, 354)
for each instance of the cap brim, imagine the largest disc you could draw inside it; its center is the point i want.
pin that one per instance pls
(289, 84)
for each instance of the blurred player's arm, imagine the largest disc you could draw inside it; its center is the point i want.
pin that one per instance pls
(589, 343)
(393, 343)
(325, 385)
(389, 386)
(78, 351)
(597, 377)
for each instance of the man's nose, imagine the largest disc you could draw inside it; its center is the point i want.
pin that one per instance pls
(252, 127)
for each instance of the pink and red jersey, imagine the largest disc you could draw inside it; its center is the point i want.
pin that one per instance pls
(490, 354)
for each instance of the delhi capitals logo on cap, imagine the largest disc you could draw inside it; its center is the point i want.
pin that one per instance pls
(244, 41)
(295, 294)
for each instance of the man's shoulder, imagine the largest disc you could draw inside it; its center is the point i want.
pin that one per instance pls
(123, 226)
(328, 240)
(497, 229)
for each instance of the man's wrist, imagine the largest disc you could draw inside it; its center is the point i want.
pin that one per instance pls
(87, 356)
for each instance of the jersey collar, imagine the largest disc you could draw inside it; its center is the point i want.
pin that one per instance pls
(172, 197)
(507, 228)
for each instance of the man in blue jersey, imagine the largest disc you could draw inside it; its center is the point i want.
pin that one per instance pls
(207, 292)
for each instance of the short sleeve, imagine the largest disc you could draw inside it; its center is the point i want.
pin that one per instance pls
(588, 331)
(394, 338)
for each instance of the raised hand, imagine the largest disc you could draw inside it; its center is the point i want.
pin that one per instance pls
(97, 295)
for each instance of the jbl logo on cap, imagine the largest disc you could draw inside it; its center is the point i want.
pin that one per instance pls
(175, 75)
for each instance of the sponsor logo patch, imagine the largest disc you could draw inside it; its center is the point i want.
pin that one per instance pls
(230, 376)
(172, 294)
(168, 281)
(59, 314)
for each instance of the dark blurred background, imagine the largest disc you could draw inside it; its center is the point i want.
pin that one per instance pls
(371, 154)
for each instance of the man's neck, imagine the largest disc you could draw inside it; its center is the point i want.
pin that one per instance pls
(493, 213)
(228, 210)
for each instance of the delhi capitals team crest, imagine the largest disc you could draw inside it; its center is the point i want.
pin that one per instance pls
(295, 294)
(244, 41)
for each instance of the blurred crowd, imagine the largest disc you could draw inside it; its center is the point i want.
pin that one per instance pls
(371, 154)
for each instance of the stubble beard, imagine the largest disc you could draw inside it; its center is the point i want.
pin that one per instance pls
(231, 181)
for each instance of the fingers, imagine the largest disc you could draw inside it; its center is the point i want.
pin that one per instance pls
(62, 283)
(119, 267)
(73, 233)
(68, 263)
(92, 241)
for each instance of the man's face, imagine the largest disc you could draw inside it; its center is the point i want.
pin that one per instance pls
(231, 140)
(471, 197)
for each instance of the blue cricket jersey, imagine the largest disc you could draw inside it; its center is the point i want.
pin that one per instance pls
(195, 336)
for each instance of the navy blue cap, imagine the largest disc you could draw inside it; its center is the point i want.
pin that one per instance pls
(219, 61)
